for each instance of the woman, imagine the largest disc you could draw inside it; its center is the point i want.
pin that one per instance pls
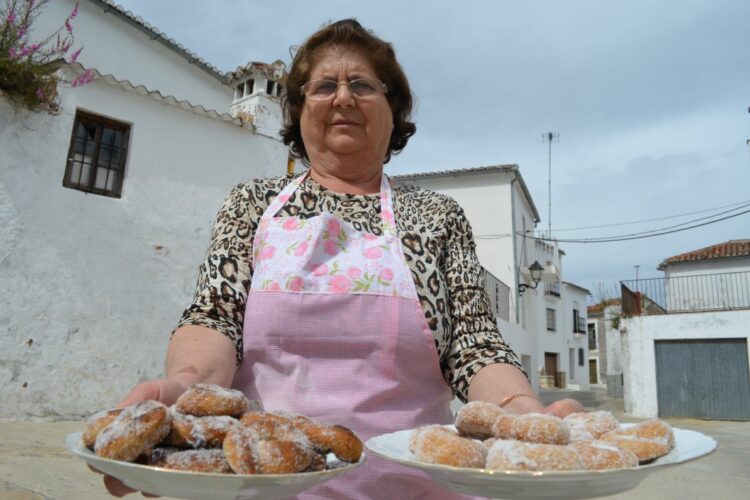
(340, 297)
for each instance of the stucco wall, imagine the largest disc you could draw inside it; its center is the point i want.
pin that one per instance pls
(638, 335)
(92, 286)
(114, 47)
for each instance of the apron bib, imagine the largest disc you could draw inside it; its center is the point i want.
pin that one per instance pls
(334, 330)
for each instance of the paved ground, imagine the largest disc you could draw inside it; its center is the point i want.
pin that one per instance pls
(35, 466)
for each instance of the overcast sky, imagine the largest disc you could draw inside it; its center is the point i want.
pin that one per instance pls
(650, 99)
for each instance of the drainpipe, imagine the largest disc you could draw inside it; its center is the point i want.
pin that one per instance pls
(516, 267)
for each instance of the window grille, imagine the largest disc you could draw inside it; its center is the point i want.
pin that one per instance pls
(551, 320)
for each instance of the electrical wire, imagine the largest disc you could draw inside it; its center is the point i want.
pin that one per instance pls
(654, 219)
(637, 236)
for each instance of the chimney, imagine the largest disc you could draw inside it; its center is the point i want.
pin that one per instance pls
(257, 91)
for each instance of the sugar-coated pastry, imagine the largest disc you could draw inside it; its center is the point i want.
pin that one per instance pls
(96, 423)
(136, 429)
(476, 418)
(336, 439)
(531, 428)
(518, 455)
(198, 432)
(599, 455)
(648, 440)
(204, 460)
(246, 454)
(437, 445)
(590, 425)
(202, 400)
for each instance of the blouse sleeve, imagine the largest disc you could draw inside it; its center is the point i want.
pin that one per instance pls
(475, 341)
(225, 274)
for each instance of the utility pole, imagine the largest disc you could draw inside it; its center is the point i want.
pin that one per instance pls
(549, 138)
(636, 276)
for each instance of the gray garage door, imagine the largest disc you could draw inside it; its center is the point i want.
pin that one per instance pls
(705, 378)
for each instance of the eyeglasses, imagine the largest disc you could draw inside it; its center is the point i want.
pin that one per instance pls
(361, 88)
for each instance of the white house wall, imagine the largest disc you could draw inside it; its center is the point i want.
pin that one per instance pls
(92, 285)
(135, 57)
(639, 333)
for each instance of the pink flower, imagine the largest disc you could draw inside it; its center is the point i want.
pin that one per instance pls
(369, 236)
(386, 274)
(334, 227)
(354, 272)
(387, 216)
(68, 27)
(296, 284)
(284, 198)
(12, 53)
(301, 249)
(267, 252)
(273, 287)
(320, 270)
(339, 284)
(330, 247)
(74, 56)
(373, 253)
(39, 94)
(74, 13)
(290, 224)
(11, 18)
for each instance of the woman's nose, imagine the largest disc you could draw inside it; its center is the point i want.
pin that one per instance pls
(343, 96)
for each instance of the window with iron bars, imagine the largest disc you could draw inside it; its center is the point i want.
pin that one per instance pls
(97, 154)
(579, 322)
(551, 320)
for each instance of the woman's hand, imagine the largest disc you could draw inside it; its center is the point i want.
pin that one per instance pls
(563, 407)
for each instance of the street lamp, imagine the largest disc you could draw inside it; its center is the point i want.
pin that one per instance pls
(536, 275)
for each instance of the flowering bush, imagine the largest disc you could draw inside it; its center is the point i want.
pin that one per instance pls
(28, 69)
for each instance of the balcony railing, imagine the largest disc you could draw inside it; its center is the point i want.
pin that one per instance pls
(680, 294)
(499, 294)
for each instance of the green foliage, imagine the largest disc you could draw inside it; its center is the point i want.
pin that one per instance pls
(28, 69)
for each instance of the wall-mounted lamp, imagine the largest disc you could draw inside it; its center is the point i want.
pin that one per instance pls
(536, 275)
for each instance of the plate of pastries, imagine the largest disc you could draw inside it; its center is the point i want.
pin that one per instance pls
(215, 444)
(492, 453)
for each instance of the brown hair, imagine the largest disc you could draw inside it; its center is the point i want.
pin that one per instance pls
(348, 33)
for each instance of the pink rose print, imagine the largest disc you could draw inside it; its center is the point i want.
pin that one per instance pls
(387, 216)
(296, 284)
(334, 227)
(330, 247)
(289, 224)
(273, 287)
(373, 253)
(369, 236)
(267, 252)
(320, 270)
(339, 284)
(354, 272)
(284, 198)
(301, 249)
(386, 274)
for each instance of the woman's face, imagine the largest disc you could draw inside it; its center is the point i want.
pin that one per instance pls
(344, 126)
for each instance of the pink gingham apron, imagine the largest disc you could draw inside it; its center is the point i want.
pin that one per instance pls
(334, 330)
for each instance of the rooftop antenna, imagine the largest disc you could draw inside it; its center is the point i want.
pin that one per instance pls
(549, 138)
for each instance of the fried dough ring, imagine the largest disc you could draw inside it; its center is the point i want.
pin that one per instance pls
(585, 426)
(476, 418)
(136, 429)
(205, 460)
(600, 455)
(336, 439)
(203, 400)
(247, 454)
(531, 428)
(199, 432)
(96, 423)
(648, 440)
(518, 455)
(435, 444)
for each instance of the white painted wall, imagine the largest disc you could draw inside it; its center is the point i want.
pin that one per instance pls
(715, 284)
(114, 47)
(574, 297)
(639, 333)
(92, 286)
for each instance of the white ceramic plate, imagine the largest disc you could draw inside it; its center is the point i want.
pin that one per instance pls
(207, 486)
(689, 445)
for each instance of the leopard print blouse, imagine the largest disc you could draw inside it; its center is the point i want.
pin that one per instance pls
(439, 250)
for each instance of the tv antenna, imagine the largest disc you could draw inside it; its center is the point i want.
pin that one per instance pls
(549, 138)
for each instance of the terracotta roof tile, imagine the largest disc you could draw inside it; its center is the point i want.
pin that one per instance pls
(728, 250)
